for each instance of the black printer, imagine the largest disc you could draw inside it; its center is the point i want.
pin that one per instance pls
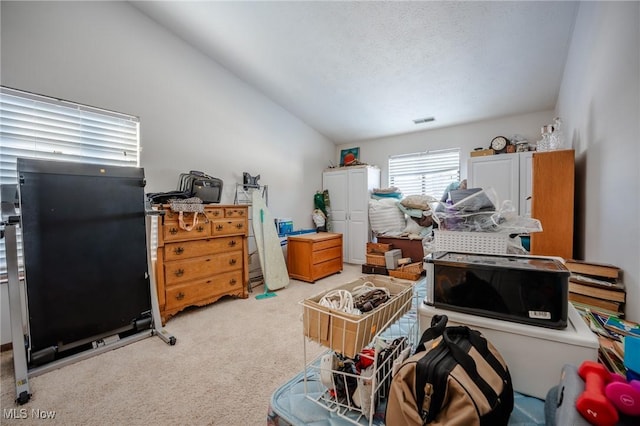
(524, 289)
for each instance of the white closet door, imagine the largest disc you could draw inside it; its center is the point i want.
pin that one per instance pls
(500, 172)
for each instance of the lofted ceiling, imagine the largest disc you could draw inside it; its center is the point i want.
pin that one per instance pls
(360, 70)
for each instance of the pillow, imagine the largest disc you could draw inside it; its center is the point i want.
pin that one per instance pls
(410, 212)
(385, 217)
(418, 202)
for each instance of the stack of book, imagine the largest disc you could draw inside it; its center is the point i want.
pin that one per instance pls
(596, 286)
(597, 292)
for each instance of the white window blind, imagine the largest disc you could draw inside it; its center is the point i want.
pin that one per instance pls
(36, 126)
(424, 173)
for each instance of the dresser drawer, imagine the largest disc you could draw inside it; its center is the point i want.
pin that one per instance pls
(187, 249)
(185, 294)
(200, 267)
(324, 269)
(329, 243)
(215, 213)
(235, 212)
(319, 256)
(229, 227)
(172, 232)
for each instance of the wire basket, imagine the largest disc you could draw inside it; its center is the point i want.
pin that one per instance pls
(471, 242)
(412, 271)
(359, 396)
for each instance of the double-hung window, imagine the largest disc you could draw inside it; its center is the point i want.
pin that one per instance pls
(35, 126)
(424, 173)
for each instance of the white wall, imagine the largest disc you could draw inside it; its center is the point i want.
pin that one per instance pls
(600, 101)
(194, 114)
(466, 137)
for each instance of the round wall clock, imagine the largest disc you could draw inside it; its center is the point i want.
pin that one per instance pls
(499, 144)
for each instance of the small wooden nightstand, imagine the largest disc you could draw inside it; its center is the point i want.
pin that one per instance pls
(314, 256)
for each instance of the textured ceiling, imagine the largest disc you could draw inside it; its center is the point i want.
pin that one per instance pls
(361, 70)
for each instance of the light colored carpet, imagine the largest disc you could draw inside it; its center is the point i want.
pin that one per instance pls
(229, 358)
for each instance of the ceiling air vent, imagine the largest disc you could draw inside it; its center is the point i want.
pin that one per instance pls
(423, 120)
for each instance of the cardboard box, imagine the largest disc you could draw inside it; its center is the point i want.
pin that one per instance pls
(284, 226)
(482, 152)
(347, 333)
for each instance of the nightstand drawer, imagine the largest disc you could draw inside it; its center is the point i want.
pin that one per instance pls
(326, 244)
(319, 256)
(321, 270)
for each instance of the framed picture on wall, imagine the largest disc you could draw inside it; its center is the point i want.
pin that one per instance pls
(349, 157)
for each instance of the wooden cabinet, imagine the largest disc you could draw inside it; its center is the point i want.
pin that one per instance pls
(541, 186)
(349, 193)
(200, 266)
(314, 256)
(552, 195)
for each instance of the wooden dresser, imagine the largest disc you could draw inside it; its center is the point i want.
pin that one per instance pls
(198, 267)
(314, 256)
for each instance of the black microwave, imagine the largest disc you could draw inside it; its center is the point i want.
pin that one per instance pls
(525, 289)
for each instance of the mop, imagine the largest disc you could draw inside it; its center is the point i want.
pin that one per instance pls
(266, 293)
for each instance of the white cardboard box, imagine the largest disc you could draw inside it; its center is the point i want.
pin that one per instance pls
(535, 355)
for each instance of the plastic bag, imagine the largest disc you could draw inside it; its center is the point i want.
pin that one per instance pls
(473, 213)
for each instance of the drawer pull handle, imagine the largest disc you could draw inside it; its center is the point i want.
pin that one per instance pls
(216, 213)
(219, 227)
(173, 231)
(180, 296)
(200, 228)
(232, 281)
(239, 225)
(232, 243)
(232, 261)
(179, 272)
(241, 213)
(178, 250)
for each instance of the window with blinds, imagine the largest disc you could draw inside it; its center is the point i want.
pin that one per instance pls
(36, 126)
(424, 173)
